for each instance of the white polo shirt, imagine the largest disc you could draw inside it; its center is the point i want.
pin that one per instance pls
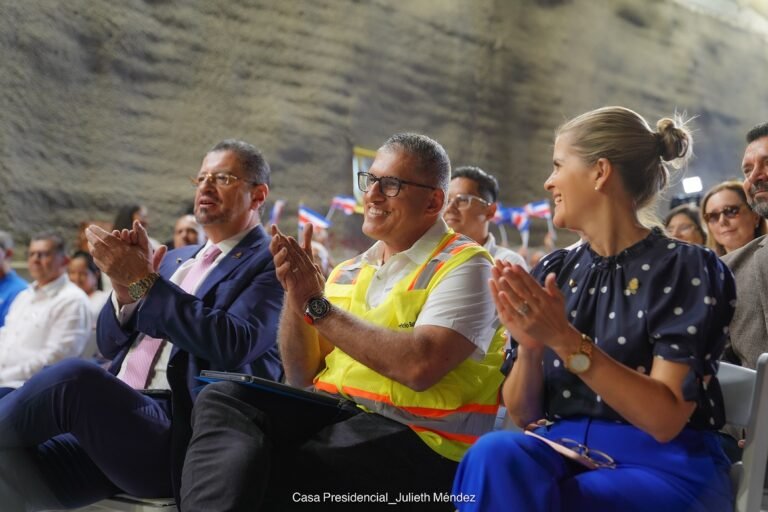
(461, 301)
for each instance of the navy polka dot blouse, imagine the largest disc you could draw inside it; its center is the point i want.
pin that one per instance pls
(659, 298)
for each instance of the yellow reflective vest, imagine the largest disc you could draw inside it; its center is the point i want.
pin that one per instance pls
(453, 413)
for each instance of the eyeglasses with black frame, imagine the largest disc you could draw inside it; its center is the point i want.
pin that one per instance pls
(464, 201)
(219, 179)
(730, 212)
(389, 185)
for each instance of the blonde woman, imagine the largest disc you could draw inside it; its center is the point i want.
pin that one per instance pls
(617, 343)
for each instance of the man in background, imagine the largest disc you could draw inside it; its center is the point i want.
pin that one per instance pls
(749, 264)
(49, 321)
(10, 283)
(471, 205)
(187, 231)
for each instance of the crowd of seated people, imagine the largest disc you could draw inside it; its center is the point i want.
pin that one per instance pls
(419, 340)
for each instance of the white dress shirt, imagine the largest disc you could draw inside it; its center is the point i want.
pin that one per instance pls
(158, 378)
(461, 301)
(502, 253)
(44, 325)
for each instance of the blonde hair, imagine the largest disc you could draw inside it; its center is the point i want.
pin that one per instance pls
(638, 153)
(736, 187)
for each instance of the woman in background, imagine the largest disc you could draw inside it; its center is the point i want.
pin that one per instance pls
(86, 275)
(731, 223)
(617, 344)
(684, 223)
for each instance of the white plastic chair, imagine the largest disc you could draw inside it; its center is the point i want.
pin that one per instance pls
(745, 393)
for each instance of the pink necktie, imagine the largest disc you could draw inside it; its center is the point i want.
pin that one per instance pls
(139, 362)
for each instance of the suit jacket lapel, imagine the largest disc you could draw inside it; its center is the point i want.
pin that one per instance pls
(241, 253)
(236, 257)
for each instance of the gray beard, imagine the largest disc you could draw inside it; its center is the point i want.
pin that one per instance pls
(760, 208)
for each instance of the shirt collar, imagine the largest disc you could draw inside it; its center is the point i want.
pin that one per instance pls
(490, 243)
(418, 252)
(225, 246)
(52, 288)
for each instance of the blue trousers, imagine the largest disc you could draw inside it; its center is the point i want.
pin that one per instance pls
(516, 472)
(90, 434)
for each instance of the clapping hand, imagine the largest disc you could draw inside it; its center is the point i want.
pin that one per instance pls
(295, 268)
(533, 315)
(125, 256)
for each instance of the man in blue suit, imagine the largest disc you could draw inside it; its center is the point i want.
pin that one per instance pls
(93, 433)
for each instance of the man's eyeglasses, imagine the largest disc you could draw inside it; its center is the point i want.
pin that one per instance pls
(220, 179)
(730, 212)
(31, 255)
(464, 201)
(390, 186)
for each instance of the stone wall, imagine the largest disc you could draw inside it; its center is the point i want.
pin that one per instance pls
(106, 102)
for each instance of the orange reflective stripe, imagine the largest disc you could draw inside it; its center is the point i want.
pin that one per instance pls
(439, 413)
(427, 412)
(343, 274)
(361, 393)
(460, 247)
(446, 243)
(327, 387)
(461, 438)
(434, 253)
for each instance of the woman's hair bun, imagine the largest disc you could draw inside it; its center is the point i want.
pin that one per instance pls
(674, 140)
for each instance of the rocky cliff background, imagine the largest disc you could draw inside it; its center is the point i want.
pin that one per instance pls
(107, 102)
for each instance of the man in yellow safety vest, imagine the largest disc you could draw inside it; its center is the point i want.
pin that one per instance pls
(406, 333)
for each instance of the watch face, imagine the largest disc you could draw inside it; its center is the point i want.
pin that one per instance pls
(579, 363)
(319, 307)
(136, 290)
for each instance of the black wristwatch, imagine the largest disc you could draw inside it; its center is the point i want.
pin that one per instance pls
(317, 308)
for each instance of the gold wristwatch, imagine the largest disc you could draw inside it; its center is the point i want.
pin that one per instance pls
(138, 289)
(579, 362)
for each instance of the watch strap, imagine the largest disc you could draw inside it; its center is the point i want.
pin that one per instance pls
(316, 308)
(139, 289)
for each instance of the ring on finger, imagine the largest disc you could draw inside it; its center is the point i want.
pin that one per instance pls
(294, 270)
(523, 309)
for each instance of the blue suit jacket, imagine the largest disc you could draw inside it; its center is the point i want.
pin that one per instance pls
(230, 323)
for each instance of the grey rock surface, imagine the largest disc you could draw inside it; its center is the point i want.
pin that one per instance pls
(106, 102)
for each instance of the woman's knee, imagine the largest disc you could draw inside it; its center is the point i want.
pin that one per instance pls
(500, 446)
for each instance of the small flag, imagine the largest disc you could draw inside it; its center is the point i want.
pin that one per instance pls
(539, 209)
(277, 211)
(307, 216)
(501, 216)
(519, 218)
(346, 204)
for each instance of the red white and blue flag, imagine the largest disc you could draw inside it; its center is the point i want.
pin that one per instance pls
(519, 218)
(308, 216)
(539, 209)
(501, 216)
(346, 204)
